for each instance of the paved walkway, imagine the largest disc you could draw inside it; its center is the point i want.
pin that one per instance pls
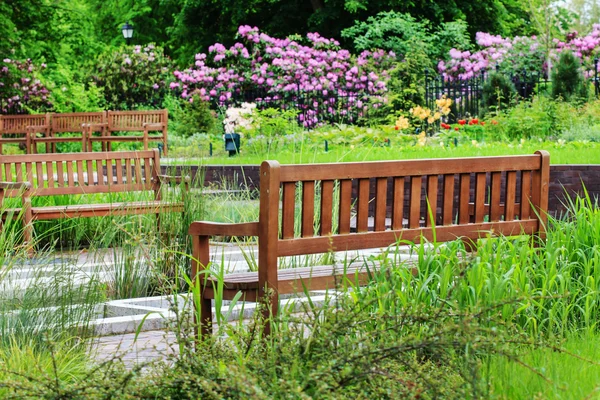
(149, 346)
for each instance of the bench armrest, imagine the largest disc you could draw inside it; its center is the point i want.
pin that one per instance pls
(15, 185)
(205, 228)
(176, 179)
(153, 125)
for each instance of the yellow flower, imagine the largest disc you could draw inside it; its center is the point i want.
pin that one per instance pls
(437, 116)
(430, 120)
(402, 123)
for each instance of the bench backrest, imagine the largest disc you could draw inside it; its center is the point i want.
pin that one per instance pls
(17, 124)
(82, 173)
(71, 122)
(135, 120)
(397, 200)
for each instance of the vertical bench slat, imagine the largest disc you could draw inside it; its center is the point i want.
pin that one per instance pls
(463, 199)
(380, 203)
(510, 196)
(308, 209)
(288, 210)
(148, 169)
(345, 205)
(60, 173)
(100, 171)
(80, 175)
(362, 215)
(119, 169)
(70, 173)
(110, 176)
(496, 188)
(19, 172)
(7, 173)
(448, 206)
(138, 170)
(90, 173)
(480, 186)
(432, 198)
(50, 173)
(525, 195)
(128, 171)
(415, 201)
(39, 170)
(398, 204)
(326, 208)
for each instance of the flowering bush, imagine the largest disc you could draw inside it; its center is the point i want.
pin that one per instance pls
(269, 70)
(133, 76)
(20, 89)
(518, 54)
(238, 117)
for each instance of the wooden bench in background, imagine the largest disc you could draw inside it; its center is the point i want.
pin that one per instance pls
(15, 129)
(34, 175)
(70, 123)
(131, 121)
(469, 198)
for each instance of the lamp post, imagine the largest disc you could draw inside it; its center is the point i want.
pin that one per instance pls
(127, 32)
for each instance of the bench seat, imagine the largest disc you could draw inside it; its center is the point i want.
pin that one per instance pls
(293, 280)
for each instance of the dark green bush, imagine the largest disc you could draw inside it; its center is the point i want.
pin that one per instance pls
(497, 92)
(191, 117)
(567, 80)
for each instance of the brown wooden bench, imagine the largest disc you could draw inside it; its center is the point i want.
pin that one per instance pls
(130, 121)
(17, 128)
(34, 175)
(469, 198)
(67, 123)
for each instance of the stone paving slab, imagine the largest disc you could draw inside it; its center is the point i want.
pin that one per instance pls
(149, 346)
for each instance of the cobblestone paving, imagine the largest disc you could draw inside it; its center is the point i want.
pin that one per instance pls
(149, 346)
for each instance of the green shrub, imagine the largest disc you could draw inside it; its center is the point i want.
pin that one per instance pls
(133, 77)
(567, 80)
(193, 116)
(497, 92)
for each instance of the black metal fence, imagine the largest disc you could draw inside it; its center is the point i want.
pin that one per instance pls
(314, 107)
(466, 95)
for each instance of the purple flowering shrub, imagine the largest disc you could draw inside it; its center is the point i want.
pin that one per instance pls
(513, 56)
(133, 76)
(21, 91)
(281, 72)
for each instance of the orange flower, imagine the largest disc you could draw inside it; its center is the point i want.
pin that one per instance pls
(462, 121)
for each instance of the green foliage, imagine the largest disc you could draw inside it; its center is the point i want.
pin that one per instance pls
(68, 94)
(271, 130)
(133, 77)
(400, 33)
(191, 116)
(567, 80)
(497, 92)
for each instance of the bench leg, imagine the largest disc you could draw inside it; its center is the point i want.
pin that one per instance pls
(165, 151)
(28, 226)
(206, 328)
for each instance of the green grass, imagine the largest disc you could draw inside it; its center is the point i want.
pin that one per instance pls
(550, 374)
(560, 153)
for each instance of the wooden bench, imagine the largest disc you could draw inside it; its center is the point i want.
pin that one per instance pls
(67, 123)
(17, 128)
(130, 121)
(28, 176)
(469, 198)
